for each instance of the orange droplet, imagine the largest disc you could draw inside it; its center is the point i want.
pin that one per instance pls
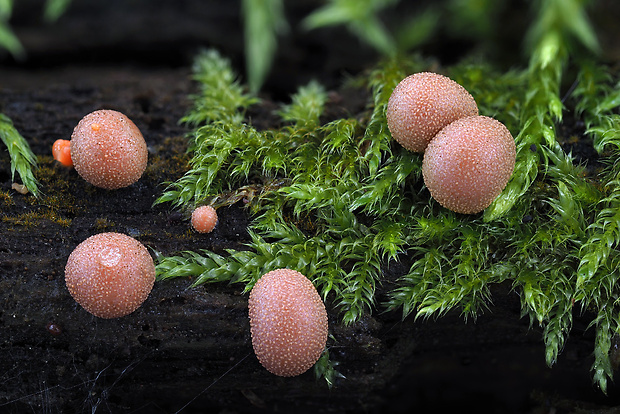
(95, 127)
(62, 152)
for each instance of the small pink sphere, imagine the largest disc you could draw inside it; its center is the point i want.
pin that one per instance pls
(204, 219)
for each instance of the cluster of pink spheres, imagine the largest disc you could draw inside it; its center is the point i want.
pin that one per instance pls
(111, 274)
(468, 160)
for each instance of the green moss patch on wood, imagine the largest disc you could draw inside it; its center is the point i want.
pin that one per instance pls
(350, 202)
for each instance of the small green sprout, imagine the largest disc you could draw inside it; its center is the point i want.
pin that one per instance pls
(263, 21)
(53, 9)
(325, 368)
(22, 159)
(8, 40)
(360, 17)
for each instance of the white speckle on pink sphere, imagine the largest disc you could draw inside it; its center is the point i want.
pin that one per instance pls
(424, 103)
(468, 163)
(110, 274)
(288, 322)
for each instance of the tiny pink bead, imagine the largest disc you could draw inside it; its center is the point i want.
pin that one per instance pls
(204, 219)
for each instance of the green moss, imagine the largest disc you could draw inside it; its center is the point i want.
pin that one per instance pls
(57, 195)
(104, 224)
(23, 161)
(34, 218)
(340, 201)
(171, 167)
(6, 199)
(52, 205)
(326, 368)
